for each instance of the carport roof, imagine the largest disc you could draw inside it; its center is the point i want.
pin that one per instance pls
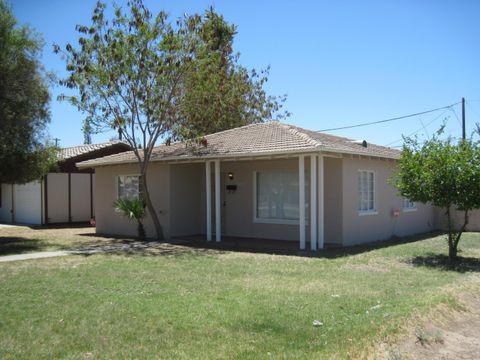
(80, 150)
(259, 139)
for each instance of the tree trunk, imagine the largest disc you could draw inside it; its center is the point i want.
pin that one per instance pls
(141, 231)
(150, 207)
(452, 244)
(454, 235)
(452, 250)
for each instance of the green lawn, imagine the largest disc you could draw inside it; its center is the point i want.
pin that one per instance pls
(192, 304)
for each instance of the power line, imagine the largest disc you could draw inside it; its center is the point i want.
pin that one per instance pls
(422, 128)
(456, 116)
(391, 119)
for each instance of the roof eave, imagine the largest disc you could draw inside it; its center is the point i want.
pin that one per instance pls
(86, 164)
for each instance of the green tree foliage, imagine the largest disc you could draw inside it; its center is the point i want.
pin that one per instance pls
(154, 79)
(445, 174)
(133, 209)
(219, 93)
(24, 104)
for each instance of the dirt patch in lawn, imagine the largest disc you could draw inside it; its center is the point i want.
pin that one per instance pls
(447, 334)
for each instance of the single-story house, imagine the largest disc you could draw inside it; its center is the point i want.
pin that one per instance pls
(264, 181)
(59, 197)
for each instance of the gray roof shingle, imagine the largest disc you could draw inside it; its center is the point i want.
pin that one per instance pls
(271, 137)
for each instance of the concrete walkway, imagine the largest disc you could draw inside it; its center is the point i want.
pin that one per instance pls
(131, 247)
(7, 226)
(37, 255)
(43, 255)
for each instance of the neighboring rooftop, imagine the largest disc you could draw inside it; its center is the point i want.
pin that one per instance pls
(79, 150)
(257, 139)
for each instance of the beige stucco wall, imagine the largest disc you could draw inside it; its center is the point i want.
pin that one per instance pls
(383, 225)
(186, 195)
(239, 207)
(113, 223)
(333, 195)
(178, 193)
(473, 219)
(188, 214)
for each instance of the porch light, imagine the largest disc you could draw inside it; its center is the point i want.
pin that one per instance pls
(230, 175)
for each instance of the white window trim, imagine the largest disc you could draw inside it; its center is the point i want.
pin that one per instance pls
(367, 212)
(257, 220)
(116, 182)
(374, 211)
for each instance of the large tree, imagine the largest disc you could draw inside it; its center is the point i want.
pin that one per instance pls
(219, 93)
(157, 80)
(446, 174)
(24, 103)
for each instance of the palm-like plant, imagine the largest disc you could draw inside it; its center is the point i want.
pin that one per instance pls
(134, 209)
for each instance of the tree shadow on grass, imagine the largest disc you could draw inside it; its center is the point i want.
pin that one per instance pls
(198, 244)
(145, 250)
(130, 246)
(441, 262)
(18, 245)
(332, 252)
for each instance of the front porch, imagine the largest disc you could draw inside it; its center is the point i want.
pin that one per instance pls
(225, 181)
(295, 199)
(253, 245)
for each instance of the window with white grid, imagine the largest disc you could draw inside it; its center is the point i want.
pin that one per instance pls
(366, 191)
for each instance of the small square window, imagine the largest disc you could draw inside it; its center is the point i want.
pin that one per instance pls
(128, 187)
(409, 205)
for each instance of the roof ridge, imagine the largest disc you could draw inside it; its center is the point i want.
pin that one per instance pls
(245, 126)
(300, 132)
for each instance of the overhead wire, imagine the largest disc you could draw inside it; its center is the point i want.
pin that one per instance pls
(422, 128)
(455, 113)
(389, 120)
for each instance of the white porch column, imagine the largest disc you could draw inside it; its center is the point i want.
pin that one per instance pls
(313, 202)
(301, 205)
(321, 202)
(208, 189)
(218, 209)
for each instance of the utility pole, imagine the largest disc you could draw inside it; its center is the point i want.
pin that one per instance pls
(56, 141)
(464, 132)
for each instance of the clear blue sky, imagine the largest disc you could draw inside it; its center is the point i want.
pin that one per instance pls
(339, 62)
